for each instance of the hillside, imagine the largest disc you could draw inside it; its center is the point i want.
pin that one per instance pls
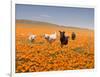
(45, 24)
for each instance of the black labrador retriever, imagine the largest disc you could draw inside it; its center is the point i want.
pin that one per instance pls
(63, 38)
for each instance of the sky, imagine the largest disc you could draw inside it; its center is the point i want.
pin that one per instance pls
(66, 16)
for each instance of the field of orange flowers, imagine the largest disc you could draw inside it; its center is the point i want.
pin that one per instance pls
(39, 55)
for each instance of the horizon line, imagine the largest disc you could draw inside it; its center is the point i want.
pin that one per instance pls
(92, 28)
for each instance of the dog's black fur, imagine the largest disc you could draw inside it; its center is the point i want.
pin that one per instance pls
(63, 38)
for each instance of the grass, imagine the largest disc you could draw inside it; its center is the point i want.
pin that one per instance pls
(79, 49)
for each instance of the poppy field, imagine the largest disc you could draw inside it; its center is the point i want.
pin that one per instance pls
(41, 56)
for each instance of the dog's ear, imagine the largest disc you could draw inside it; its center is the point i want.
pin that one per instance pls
(59, 31)
(63, 31)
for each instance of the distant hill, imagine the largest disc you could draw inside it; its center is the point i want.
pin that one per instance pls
(36, 23)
